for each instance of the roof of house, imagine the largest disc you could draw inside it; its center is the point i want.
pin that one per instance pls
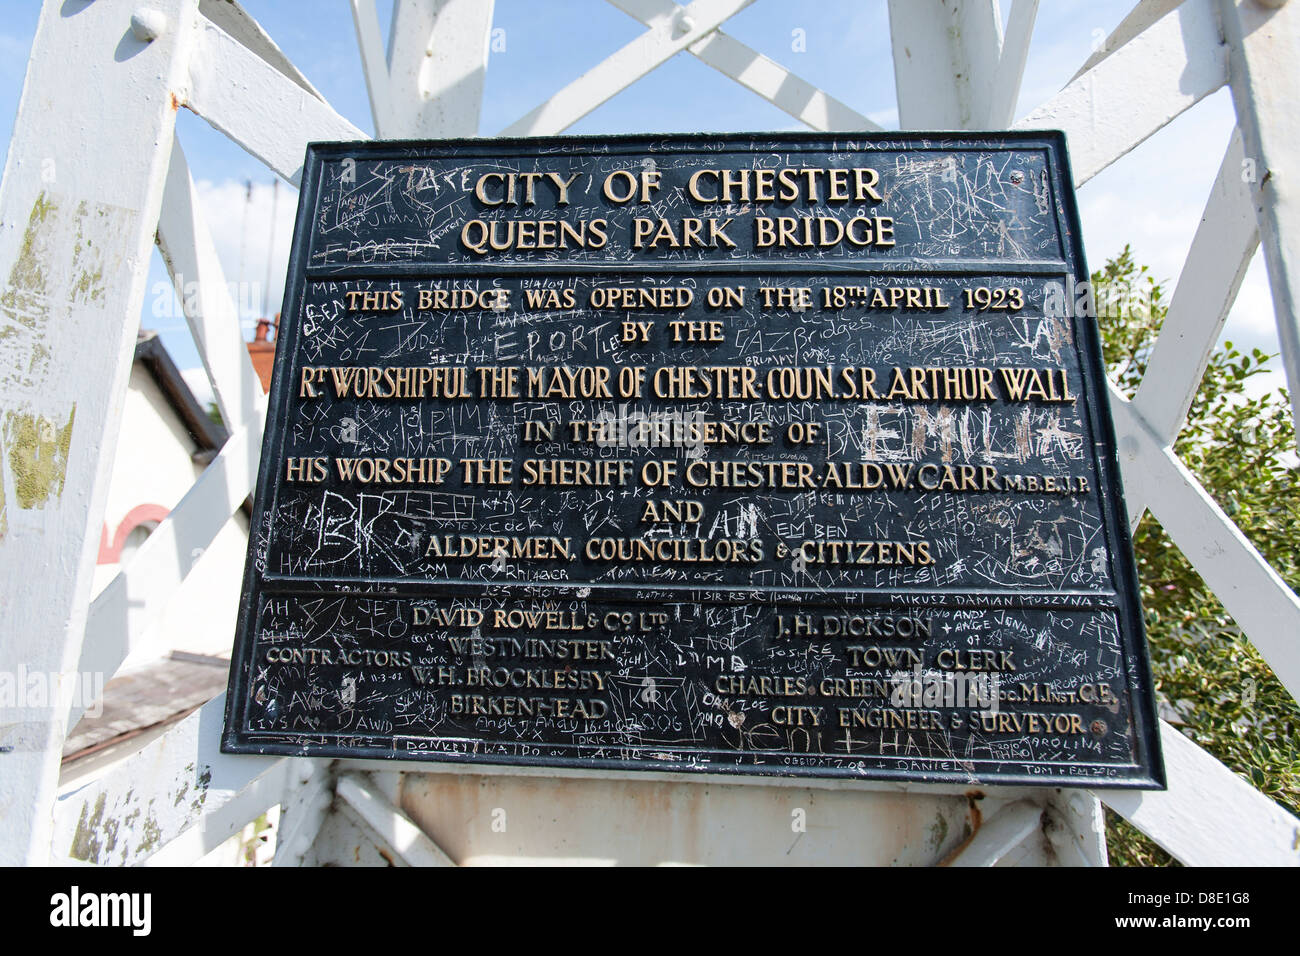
(208, 435)
(155, 695)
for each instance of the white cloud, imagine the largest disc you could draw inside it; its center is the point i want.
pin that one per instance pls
(246, 235)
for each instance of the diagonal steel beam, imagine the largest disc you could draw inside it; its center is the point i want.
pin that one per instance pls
(1143, 14)
(256, 105)
(1221, 250)
(1209, 816)
(1003, 832)
(361, 799)
(757, 73)
(1265, 44)
(235, 21)
(1137, 90)
(1261, 603)
(666, 38)
(191, 258)
(180, 797)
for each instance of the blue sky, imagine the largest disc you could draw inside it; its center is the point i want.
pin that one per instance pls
(840, 45)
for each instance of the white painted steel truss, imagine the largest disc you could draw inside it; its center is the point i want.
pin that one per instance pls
(74, 253)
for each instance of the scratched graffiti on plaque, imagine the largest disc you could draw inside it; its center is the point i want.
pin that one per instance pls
(783, 456)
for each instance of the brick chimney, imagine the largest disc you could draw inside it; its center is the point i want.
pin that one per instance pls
(262, 349)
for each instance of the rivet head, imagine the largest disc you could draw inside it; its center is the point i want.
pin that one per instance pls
(148, 24)
(683, 25)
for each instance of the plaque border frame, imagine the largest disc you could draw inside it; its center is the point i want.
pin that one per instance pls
(1146, 772)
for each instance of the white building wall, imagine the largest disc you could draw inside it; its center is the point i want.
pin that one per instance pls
(152, 470)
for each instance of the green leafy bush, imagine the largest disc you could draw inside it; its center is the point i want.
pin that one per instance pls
(1211, 681)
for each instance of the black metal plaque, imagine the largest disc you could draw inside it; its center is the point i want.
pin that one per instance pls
(779, 454)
